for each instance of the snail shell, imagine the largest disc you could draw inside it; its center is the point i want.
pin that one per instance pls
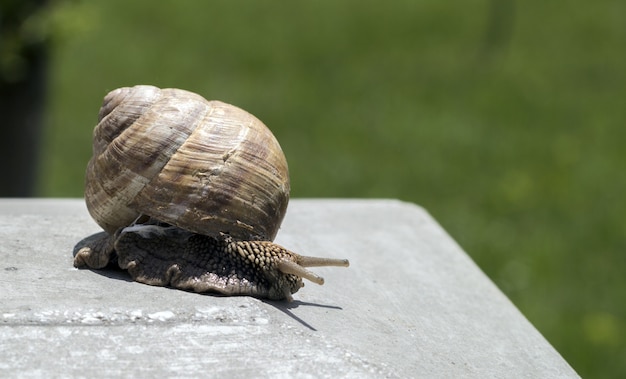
(204, 166)
(190, 194)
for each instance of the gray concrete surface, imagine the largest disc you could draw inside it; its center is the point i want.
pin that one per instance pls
(412, 304)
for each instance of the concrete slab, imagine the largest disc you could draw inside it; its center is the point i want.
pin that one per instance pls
(412, 304)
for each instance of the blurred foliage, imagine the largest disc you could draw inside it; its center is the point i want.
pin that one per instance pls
(25, 24)
(22, 25)
(503, 118)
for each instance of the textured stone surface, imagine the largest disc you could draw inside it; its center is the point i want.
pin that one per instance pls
(411, 304)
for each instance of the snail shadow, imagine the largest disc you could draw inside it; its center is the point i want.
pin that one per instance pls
(113, 271)
(286, 307)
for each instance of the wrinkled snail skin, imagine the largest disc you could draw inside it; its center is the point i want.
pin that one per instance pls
(190, 193)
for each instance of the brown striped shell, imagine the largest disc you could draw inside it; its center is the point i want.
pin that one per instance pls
(203, 166)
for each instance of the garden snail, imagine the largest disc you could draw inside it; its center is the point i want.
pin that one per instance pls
(190, 194)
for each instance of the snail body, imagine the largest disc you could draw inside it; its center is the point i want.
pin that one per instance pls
(190, 194)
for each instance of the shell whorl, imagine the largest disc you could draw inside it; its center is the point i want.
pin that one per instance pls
(204, 166)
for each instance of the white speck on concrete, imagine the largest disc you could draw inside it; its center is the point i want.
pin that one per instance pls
(161, 316)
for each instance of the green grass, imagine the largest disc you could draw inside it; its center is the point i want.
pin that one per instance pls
(512, 139)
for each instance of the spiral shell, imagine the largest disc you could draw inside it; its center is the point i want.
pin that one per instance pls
(203, 166)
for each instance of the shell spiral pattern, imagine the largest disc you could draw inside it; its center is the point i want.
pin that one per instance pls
(204, 166)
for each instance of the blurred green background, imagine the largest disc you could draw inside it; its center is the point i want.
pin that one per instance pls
(505, 119)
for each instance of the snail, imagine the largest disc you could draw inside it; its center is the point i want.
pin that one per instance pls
(190, 194)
